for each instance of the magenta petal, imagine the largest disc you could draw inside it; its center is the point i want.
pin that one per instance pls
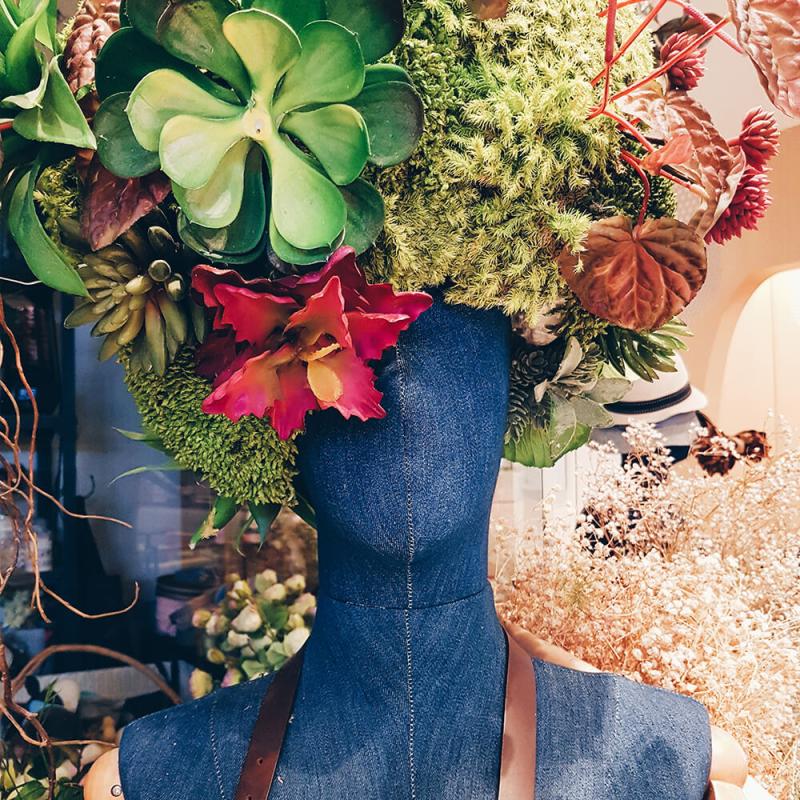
(253, 315)
(215, 353)
(341, 264)
(373, 333)
(359, 396)
(322, 314)
(271, 384)
(383, 299)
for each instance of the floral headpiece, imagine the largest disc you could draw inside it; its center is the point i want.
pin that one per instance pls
(250, 196)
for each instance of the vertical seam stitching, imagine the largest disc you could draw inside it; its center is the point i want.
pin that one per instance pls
(409, 577)
(214, 748)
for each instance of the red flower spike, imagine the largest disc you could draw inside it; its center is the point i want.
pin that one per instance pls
(286, 347)
(759, 137)
(686, 73)
(748, 206)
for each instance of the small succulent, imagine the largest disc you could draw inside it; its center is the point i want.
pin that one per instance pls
(294, 93)
(138, 294)
(556, 399)
(644, 353)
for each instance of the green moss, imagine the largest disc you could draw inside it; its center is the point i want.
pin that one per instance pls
(58, 195)
(489, 199)
(245, 460)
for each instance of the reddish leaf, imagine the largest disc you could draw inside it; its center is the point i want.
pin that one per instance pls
(676, 151)
(112, 205)
(95, 21)
(636, 277)
(769, 32)
(715, 167)
(489, 9)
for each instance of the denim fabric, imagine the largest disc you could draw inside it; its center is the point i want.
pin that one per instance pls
(402, 690)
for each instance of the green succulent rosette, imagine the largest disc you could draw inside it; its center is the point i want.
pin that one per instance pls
(264, 119)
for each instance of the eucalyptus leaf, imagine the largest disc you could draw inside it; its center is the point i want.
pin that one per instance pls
(44, 258)
(609, 390)
(59, 117)
(380, 24)
(587, 412)
(365, 215)
(395, 118)
(191, 30)
(117, 147)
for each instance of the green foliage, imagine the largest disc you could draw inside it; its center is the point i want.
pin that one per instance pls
(490, 196)
(644, 353)
(244, 461)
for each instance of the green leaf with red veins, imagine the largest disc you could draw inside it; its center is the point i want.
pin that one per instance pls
(636, 277)
(769, 32)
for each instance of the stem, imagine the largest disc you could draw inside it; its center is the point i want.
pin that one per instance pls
(634, 162)
(611, 60)
(692, 12)
(629, 128)
(668, 65)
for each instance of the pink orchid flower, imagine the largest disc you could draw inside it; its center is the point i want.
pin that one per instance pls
(282, 348)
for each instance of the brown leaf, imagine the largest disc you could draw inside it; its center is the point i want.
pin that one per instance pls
(95, 22)
(769, 32)
(715, 167)
(489, 9)
(112, 205)
(676, 151)
(636, 277)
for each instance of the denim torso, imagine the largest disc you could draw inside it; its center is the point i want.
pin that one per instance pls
(402, 690)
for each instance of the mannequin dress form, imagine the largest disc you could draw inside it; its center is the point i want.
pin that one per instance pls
(401, 694)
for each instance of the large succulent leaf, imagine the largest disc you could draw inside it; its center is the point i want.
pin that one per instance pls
(45, 259)
(217, 203)
(267, 46)
(164, 94)
(58, 118)
(22, 61)
(308, 210)
(384, 73)
(330, 68)
(298, 13)
(144, 15)
(365, 215)
(245, 235)
(112, 205)
(769, 32)
(192, 148)
(379, 24)
(636, 277)
(287, 254)
(395, 118)
(337, 135)
(117, 147)
(192, 31)
(128, 56)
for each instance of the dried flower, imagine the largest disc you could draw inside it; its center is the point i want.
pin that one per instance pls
(759, 137)
(701, 595)
(749, 204)
(685, 74)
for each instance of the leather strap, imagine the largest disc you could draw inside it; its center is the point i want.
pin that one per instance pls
(517, 756)
(259, 767)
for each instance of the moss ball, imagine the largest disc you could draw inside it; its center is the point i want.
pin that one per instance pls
(244, 460)
(493, 192)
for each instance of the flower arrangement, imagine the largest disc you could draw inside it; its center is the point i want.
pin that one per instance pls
(254, 630)
(684, 581)
(250, 197)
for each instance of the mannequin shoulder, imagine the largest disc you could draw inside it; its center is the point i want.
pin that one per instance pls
(645, 710)
(154, 751)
